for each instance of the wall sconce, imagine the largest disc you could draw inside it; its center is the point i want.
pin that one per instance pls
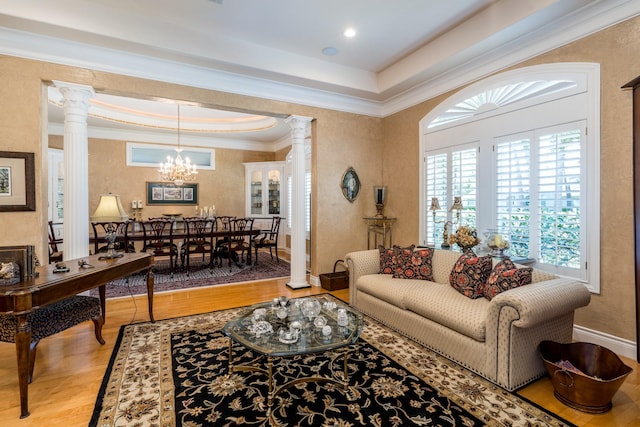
(456, 207)
(379, 196)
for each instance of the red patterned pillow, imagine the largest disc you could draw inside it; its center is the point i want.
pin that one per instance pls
(505, 279)
(470, 273)
(415, 265)
(403, 257)
(388, 261)
(390, 258)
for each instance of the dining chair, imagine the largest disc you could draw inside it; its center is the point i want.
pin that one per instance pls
(157, 237)
(199, 241)
(268, 239)
(238, 241)
(55, 253)
(222, 222)
(102, 228)
(222, 236)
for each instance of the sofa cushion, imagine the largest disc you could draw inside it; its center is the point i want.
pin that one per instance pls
(415, 265)
(388, 289)
(389, 257)
(505, 279)
(442, 264)
(499, 267)
(446, 306)
(541, 276)
(387, 260)
(470, 273)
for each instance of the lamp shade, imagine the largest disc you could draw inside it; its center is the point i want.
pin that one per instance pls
(109, 209)
(457, 204)
(435, 204)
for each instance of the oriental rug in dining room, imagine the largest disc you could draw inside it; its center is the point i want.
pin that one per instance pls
(175, 373)
(199, 276)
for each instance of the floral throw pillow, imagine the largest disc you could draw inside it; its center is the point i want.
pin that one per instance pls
(388, 261)
(403, 256)
(470, 273)
(415, 265)
(505, 278)
(391, 258)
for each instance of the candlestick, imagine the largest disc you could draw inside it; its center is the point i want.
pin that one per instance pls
(379, 195)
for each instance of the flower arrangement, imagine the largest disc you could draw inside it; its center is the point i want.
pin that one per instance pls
(466, 237)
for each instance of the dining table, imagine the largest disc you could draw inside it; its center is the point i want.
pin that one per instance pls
(179, 234)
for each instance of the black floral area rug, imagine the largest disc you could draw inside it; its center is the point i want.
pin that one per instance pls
(176, 373)
(199, 275)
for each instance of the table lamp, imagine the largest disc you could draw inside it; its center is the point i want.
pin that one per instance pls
(110, 210)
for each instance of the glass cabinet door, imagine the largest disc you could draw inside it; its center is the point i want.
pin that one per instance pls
(264, 188)
(256, 192)
(274, 192)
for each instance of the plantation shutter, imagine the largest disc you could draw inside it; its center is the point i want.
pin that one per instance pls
(513, 192)
(436, 168)
(450, 173)
(539, 191)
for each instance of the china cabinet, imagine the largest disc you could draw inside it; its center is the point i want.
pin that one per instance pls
(264, 188)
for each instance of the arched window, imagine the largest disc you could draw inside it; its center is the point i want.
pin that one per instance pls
(521, 150)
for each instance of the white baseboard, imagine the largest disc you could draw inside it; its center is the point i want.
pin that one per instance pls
(314, 280)
(618, 345)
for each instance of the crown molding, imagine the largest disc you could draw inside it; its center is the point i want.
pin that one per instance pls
(159, 138)
(43, 48)
(592, 18)
(588, 21)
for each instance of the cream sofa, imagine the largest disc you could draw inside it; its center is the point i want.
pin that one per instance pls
(497, 339)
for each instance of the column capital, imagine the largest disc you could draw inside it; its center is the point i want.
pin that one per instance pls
(74, 91)
(300, 128)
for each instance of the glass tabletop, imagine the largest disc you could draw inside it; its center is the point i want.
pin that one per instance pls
(298, 326)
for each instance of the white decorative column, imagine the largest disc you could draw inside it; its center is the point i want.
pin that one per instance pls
(300, 128)
(76, 168)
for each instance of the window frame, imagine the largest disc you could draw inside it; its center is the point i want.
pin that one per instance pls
(586, 90)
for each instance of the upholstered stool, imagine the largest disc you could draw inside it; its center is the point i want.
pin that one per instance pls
(54, 318)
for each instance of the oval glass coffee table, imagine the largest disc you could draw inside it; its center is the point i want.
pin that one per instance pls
(294, 327)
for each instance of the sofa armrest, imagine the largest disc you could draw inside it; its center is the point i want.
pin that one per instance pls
(538, 302)
(359, 264)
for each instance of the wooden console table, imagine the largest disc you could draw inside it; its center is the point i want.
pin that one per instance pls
(49, 287)
(379, 226)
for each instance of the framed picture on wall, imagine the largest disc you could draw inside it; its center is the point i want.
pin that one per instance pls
(17, 182)
(350, 184)
(166, 193)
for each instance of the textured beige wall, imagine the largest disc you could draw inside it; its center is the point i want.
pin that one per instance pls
(381, 150)
(223, 187)
(341, 140)
(616, 48)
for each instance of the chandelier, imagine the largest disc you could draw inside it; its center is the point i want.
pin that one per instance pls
(178, 171)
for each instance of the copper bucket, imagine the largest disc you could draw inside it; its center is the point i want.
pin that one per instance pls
(591, 377)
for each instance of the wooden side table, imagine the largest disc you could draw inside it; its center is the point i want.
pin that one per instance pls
(379, 227)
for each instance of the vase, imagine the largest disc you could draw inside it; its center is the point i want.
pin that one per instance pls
(497, 244)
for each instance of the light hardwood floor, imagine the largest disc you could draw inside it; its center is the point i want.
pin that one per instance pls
(70, 366)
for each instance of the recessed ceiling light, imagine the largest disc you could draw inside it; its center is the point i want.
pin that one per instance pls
(330, 51)
(349, 32)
